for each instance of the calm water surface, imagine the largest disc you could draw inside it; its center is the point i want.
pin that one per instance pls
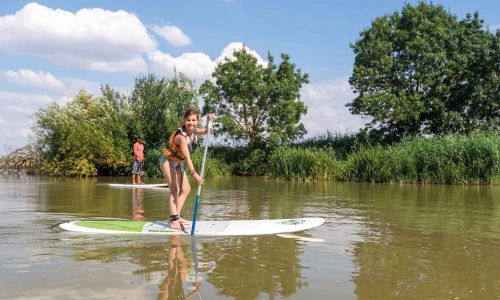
(378, 242)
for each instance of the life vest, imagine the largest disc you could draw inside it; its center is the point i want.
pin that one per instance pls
(173, 152)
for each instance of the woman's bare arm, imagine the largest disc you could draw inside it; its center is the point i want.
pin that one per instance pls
(204, 131)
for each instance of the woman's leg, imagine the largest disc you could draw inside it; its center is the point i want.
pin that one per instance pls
(186, 188)
(165, 169)
(174, 198)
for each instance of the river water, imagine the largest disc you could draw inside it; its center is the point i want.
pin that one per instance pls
(378, 242)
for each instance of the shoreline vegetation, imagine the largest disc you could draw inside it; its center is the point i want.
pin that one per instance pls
(450, 159)
(427, 82)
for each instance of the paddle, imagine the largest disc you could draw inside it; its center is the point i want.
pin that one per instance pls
(207, 140)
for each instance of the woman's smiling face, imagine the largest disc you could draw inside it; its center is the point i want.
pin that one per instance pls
(191, 122)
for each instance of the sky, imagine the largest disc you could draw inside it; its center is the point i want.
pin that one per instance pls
(50, 50)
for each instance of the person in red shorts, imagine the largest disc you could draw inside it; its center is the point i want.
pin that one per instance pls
(138, 161)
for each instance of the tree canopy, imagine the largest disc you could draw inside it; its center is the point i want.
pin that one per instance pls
(159, 104)
(423, 71)
(255, 103)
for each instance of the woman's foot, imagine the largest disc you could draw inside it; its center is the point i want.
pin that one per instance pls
(175, 225)
(184, 221)
(180, 226)
(186, 227)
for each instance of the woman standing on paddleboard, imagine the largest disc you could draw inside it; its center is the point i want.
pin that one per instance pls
(181, 144)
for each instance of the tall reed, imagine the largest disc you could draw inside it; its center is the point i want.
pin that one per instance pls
(302, 164)
(342, 143)
(449, 159)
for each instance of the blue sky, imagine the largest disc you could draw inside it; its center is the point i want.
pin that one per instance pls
(49, 50)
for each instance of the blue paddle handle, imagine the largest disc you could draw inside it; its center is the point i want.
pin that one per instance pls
(195, 214)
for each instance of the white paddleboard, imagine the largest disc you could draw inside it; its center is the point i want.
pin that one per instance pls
(203, 228)
(144, 186)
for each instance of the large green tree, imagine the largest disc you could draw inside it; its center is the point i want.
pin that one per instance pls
(256, 104)
(85, 137)
(159, 104)
(422, 70)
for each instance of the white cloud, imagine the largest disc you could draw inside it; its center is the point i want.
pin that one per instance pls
(237, 46)
(2, 121)
(24, 98)
(63, 86)
(6, 134)
(173, 35)
(33, 78)
(74, 85)
(21, 109)
(24, 132)
(94, 39)
(63, 100)
(196, 65)
(326, 108)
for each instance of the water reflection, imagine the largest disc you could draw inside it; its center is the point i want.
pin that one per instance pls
(265, 265)
(239, 268)
(173, 286)
(137, 204)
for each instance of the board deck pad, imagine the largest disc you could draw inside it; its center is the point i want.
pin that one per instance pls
(144, 186)
(203, 228)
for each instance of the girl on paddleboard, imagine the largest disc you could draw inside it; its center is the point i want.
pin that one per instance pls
(177, 152)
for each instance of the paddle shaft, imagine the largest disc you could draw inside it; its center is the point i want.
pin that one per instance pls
(198, 192)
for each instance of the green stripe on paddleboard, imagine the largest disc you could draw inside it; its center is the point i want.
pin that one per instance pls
(130, 226)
